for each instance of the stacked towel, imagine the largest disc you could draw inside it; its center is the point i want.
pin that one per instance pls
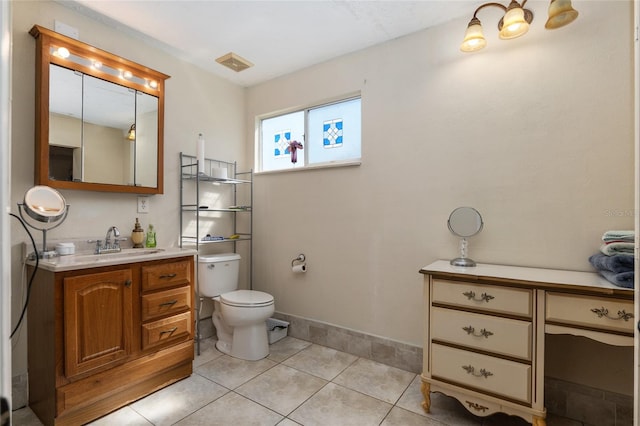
(615, 261)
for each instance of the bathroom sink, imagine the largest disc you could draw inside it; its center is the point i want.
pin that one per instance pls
(92, 257)
(127, 255)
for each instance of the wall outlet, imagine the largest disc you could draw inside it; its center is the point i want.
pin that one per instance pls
(143, 204)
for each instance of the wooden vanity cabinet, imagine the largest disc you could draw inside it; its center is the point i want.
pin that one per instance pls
(100, 338)
(485, 326)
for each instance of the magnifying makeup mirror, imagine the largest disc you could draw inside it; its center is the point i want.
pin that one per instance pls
(464, 222)
(45, 205)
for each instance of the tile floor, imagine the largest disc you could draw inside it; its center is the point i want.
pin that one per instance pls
(299, 383)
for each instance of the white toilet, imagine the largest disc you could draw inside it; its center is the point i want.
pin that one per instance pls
(239, 316)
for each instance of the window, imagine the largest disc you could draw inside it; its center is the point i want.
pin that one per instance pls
(318, 136)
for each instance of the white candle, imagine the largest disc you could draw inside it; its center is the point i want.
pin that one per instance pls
(200, 153)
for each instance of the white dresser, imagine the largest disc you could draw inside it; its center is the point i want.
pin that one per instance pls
(485, 326)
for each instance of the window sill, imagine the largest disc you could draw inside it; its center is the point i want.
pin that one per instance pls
(313, 167)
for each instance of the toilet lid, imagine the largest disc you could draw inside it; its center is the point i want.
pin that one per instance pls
(246, 298)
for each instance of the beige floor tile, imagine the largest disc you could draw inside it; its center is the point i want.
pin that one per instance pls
(232, 409)
(231, 372)
(208, 352)
(282, 388)
(321, 361)
(412, 397)
(375, 379)
(337, 405)
(124, 416)
(283, 349)
(401, 417)
(177, 401)
(288, 422)
(449, 411)
(25, 417)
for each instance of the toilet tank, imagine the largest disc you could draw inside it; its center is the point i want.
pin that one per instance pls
(218, 274)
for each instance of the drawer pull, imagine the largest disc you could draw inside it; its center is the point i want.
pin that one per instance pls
(604, 312)
(169, 276)
(169, 303)
(168, 331)
(127, 283)
(482, 373)
(477, 406)
(483, 332)
(484, 297)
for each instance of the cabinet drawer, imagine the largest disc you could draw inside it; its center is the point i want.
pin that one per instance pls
(488, 298)
(481, 372)
(591, 312)
(494, 334)
(166, 302)
(166, 275)
(168, 330)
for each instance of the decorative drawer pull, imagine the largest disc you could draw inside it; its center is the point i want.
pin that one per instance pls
(169, 303)
(477, 406)
(482, 373)
(127, 283)
(484, 297)
(604, 312)
(483, 332)
(169, 276)
(168, 331)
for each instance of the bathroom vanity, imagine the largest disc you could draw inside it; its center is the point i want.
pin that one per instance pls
(485, 326)
(106, 330)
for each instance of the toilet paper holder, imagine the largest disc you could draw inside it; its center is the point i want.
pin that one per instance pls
(301, 258)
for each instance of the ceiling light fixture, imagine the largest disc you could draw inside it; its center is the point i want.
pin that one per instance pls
(234, 62)
(515, 22)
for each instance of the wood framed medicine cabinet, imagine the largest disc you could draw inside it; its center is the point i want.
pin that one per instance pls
(99, 118)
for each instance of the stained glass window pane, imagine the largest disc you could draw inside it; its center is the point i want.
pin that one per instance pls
(334, 132)
(277, 134)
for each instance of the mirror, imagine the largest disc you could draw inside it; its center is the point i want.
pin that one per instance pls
(99, 118)
(464, 222)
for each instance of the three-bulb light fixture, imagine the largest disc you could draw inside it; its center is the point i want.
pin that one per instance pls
(515, 22)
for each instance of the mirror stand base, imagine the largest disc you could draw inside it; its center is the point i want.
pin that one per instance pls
(463, 262)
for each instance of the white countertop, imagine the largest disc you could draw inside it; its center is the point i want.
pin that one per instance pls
(127, 255)
(540, 276)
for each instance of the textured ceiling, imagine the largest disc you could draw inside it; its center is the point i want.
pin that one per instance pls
(279, 37)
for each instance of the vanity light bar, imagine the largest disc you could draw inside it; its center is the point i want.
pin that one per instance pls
(64, 53)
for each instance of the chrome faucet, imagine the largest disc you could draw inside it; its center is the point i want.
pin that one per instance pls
(116, 234)
(109, 246)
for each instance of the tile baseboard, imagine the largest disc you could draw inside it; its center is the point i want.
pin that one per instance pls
(384, 351)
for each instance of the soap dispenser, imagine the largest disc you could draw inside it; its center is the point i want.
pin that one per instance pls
(137, 235)
(151, 237)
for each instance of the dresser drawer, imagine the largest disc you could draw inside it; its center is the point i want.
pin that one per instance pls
(165, 331)
(166, 302)
(164, 275)
(493, 334)
(481, 372)
(599, 313)
(488, 298)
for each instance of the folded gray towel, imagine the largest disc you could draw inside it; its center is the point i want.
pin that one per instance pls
(617, 248)
(616, 263)
(628, 236)
(622, 279)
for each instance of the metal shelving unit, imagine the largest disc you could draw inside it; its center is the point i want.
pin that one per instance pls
(190, 206)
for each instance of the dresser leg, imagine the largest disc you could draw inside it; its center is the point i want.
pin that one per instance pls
(539, 421)
(426, 392)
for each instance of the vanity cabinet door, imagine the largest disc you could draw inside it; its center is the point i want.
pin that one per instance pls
(98, 320)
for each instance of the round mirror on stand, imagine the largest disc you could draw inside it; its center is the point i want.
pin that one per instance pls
(47, 206)
(464, 222)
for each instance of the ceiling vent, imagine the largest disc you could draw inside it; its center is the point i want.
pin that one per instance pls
(234, 62)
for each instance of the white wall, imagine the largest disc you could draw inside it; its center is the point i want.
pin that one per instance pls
(536, 133)
(196, 101)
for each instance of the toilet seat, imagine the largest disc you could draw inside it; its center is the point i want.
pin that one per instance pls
(246, 298)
